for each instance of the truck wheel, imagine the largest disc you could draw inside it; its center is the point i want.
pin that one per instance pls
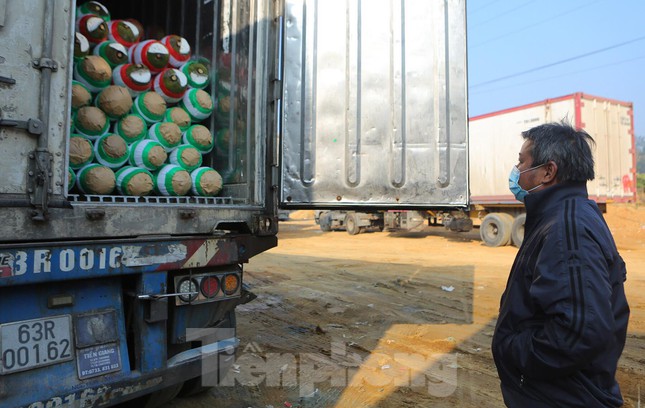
(495, 229)
(351, 225)
(325, 222)
(517, 230)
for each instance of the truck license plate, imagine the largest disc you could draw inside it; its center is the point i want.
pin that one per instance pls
(35, 343)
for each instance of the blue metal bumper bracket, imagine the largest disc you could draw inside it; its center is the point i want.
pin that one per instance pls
(151, 342)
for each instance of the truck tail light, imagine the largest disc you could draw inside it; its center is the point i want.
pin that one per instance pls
(187, 288)
(231, 283)
(209, 286)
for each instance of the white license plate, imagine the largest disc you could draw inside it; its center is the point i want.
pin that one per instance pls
(35, 343)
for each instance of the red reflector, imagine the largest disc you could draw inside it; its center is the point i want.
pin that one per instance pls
(210, 286)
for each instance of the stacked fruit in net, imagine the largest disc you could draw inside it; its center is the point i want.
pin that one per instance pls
(137, 111)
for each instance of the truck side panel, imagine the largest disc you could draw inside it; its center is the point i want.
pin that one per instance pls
(374, 104)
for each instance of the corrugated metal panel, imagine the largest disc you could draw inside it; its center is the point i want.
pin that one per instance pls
(610, 124)
(21, 44)
(495, 140)
(375, 103)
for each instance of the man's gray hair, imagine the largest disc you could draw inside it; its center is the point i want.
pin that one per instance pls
(568, 147)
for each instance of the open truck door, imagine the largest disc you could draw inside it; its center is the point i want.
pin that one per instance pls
(374, 107)
(34, 81)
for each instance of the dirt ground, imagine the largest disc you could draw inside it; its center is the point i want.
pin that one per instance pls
(391, 320)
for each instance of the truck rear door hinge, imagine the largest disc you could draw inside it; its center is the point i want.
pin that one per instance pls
(39, 182)
(33, 126)
(45, 63)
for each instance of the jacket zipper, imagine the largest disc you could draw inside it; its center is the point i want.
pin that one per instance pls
(521, 380)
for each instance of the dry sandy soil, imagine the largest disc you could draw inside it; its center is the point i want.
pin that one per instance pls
(391, 319)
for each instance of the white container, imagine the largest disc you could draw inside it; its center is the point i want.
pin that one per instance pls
(495, 140)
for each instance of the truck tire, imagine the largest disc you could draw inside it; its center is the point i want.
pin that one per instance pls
(351, 225)
(495, 229)
(325, 221)
(517, 230)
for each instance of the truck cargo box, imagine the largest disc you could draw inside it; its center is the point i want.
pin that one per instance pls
(37, 122)
(495, 140)
(364, 114)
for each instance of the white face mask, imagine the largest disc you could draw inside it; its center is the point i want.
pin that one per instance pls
(514, 183)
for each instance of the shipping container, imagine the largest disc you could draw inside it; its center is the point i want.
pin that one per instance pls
(496, 139)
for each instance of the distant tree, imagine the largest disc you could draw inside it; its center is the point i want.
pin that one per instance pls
(640, 186)
(640, 154)
(640, 167)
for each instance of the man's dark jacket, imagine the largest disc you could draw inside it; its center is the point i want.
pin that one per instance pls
(563, 317)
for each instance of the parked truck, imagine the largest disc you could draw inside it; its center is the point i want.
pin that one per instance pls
(113, 291)
(495, 139)
(355, 222)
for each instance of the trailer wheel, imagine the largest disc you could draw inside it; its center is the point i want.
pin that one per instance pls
(325, 221)
(517, 230)
(495, 229)
(351, 224)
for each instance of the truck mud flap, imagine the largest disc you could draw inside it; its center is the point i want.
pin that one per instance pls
(246, 296)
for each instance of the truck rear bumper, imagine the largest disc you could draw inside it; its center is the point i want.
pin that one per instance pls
(201, 361)
(200, 354)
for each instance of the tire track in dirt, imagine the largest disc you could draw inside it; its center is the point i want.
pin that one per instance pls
(356, 301)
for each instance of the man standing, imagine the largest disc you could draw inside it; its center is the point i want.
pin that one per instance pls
(563, 316)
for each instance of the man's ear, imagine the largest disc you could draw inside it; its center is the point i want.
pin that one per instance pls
(550, 174)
